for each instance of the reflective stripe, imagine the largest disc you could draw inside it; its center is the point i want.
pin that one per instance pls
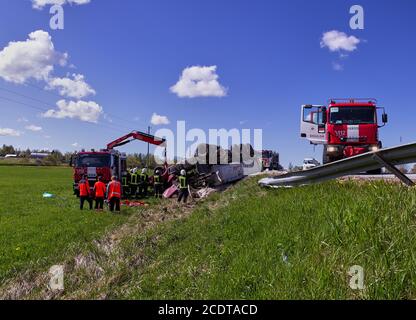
(114, 190)
(182, 182)
(134, 178)
(124, 179)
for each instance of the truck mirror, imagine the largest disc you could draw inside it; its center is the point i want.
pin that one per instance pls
(324, 118)
(384, 118)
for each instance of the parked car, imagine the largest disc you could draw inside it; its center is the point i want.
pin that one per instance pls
(309, 163)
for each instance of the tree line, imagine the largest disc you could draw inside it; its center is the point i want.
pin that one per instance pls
(56, 157)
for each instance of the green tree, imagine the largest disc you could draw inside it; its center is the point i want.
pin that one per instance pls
(7, 150)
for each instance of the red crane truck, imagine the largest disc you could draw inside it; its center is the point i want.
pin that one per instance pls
(107, 162)
(346, 127)
(269, 160)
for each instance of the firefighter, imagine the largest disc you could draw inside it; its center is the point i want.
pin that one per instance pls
(157, 184)
(134, 181)
(183, 187)
(125, 183)
(99, 190)
(114, 194)
(143, 183)
(84, 192)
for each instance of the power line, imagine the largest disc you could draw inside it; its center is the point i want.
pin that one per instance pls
(43, 109)
(27, 97)
(36, 100)
(22, 103)
(59, 96)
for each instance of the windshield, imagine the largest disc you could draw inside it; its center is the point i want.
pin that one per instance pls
(93, 160)
(352, 115)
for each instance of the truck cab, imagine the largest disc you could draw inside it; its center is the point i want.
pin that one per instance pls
(346, 127)
(269, 160)
(93, 163)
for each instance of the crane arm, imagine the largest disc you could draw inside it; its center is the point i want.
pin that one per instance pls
(135, 135)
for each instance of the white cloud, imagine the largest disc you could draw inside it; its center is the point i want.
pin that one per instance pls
(33, 128)
(159, 120)
(23, 119)
(75, 144)
(88, 111)
(9, 132)
(74, 88)
(39, 4)
(337, 41)
(199, 81)
(32, 58)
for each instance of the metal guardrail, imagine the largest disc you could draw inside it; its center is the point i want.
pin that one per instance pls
(387, 158)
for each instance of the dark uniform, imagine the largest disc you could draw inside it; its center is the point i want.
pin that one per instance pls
(134, 181)
(158, 186)
(143, 184)
(125, 183)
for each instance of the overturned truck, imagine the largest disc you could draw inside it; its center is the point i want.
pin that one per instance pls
(213, 166)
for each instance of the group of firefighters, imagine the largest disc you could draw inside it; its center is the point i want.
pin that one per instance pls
(134, 185)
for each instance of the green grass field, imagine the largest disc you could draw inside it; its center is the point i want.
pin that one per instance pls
(37, 232)
(284, 244)
(244, 243)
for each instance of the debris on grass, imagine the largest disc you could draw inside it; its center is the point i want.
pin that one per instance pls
(132, 204)
(170, 191)
(48, 195)
(205, 192)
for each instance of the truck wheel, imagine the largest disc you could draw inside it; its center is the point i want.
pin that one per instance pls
(325, 158)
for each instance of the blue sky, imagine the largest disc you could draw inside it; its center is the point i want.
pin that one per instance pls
(268, 58)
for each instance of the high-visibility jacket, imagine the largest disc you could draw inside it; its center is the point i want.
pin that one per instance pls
(144, 178)
(84, 188)
(124, 181)
(134, 177)
(156, 179)
(183, 182)
(100, 189)
(114, 190)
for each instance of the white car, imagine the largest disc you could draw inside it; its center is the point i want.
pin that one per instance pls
(309, 163)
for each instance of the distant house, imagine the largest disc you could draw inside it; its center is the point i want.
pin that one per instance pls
(10, 156)
(38, 155)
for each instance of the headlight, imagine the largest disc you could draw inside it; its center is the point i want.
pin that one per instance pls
(331, 149)
(374, 148)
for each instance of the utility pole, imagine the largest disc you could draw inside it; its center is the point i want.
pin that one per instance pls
(148, 148)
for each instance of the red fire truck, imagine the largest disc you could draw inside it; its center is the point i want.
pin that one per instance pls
(107, 162)
(269, 160)
(346, 127)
